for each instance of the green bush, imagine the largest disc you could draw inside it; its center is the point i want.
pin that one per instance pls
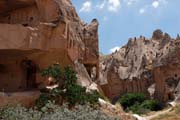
(69, 77)
(138, 109)
(43, 99)
(75, 94)
(93, 97)
(131, 99)
(70, 91)
(53, 71)
(152, 105)
(138, 103)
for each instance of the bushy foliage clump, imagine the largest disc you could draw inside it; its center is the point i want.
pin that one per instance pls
(138, 103)
(53, 112)
(131, 99)
(53, 71)
(68, 88)
(152, 105)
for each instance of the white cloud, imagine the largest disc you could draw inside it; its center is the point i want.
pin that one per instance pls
(102, 5)
(142, 11)
(155, 4)
(86, 7)
(114, 49)
(130, 2)
(113, 5)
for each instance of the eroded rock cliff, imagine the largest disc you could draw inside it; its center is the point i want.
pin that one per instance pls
(38, 33)
(150, 66)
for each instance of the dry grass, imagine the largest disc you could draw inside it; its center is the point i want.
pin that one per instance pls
(172, 115)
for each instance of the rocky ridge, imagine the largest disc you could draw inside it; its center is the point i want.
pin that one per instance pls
(149, 66)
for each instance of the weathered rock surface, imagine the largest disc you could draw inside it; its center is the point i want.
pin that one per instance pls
(37, 33)
(27, 98)
(150, 66)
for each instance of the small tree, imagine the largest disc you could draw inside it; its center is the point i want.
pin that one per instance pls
(53, 71)
(70, 91)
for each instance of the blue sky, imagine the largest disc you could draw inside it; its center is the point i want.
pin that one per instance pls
(121, 19)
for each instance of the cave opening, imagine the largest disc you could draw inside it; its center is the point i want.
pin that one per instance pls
(30, 71)
(25, 25)
(17, 73)
(170, 97)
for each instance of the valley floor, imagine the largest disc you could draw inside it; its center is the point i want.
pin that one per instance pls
(172, 114)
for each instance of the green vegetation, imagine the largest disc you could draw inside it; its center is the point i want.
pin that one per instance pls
(138, 103)
(53, 112)
(53, 71)
(131, 99)
(68, 90)
(152, 105)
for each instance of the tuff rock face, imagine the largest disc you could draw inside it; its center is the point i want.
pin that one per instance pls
(150, 66)
(37, 33)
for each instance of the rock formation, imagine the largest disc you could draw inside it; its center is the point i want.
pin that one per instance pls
(37, 33)
(147, 66)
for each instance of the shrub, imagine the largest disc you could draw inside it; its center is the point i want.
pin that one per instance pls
(19, 113)
(131, 99)
(138, 109)
(152, 105)
(70, 91)
(75, 94)
(43, 99)
(138, 103)
(93, 97)
(53, 71)
(69, 77)
(54, 112)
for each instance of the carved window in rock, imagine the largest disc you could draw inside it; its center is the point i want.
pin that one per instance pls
(25, 24)
(175, 75)
(9, 19)
(31, 19)
(170, 96)
(2, 68)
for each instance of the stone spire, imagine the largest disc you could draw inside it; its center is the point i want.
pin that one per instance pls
(157, 34)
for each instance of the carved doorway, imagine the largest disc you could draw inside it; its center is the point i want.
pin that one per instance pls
(30, 70)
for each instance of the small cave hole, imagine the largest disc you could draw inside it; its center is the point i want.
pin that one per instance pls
(2, 68)
(31, 19)
(25, 24)
(9, 17)
(176, 75)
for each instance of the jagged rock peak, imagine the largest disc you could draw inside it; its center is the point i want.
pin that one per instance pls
(167, 36)
(178, 37)
(95, 21)
(157, 34)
